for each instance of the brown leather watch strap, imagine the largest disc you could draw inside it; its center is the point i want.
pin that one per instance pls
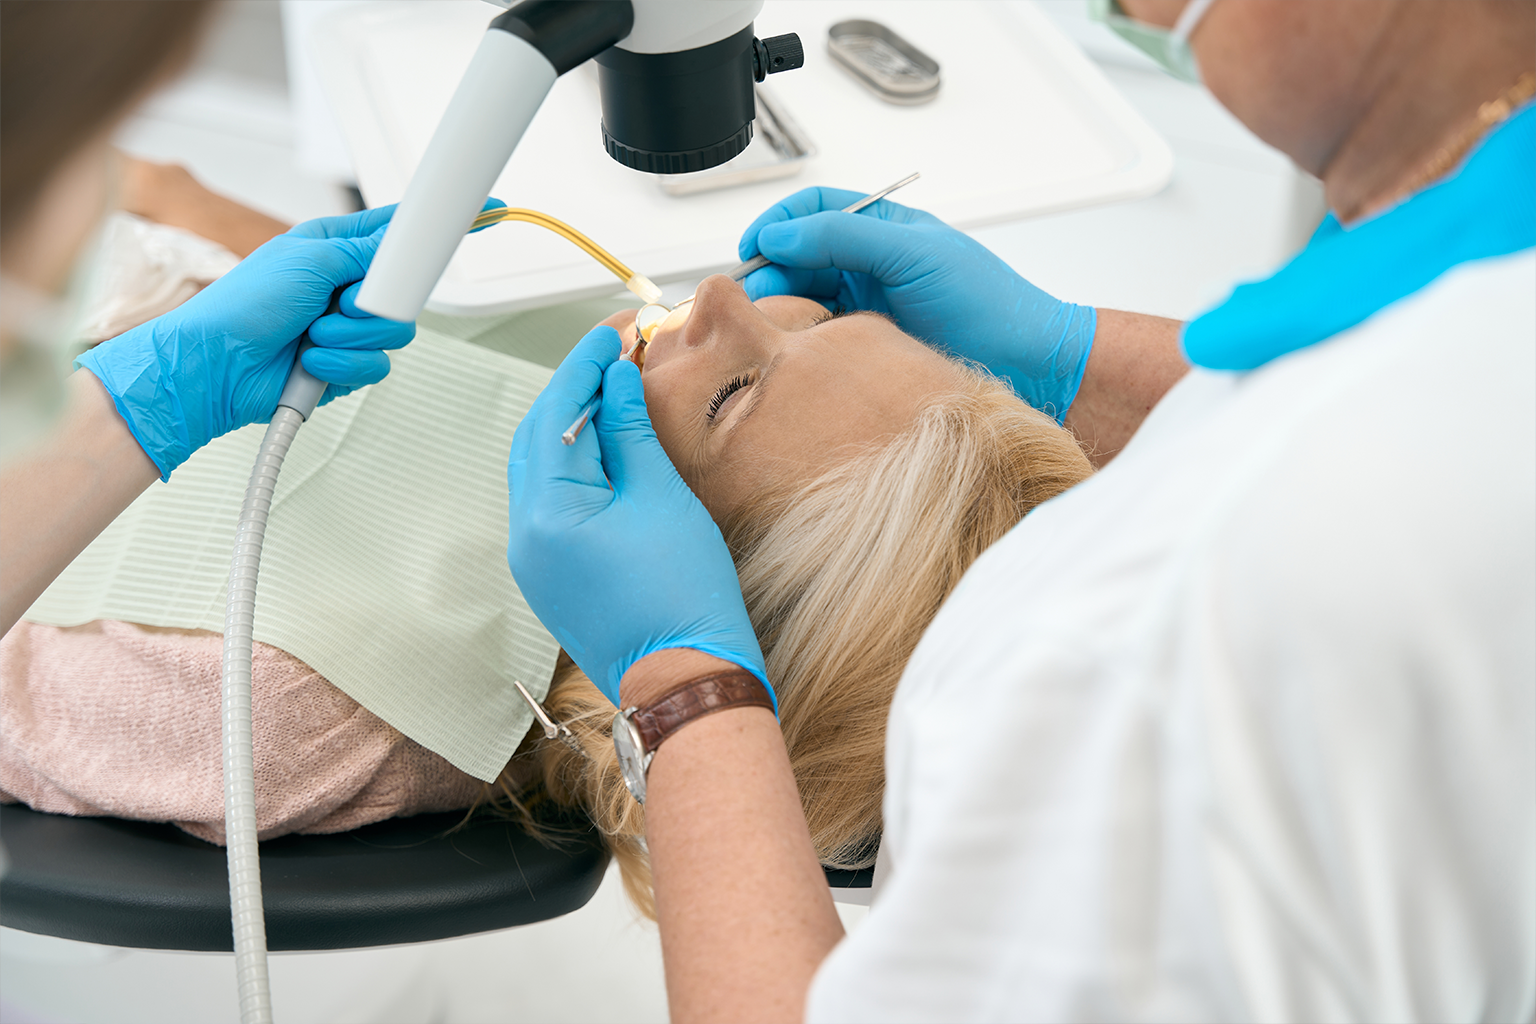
(694, 700)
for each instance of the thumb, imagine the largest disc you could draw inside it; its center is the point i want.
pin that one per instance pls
(844, 241)
(632, 454)
(350, 225)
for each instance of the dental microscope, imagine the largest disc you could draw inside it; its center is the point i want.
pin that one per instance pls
(675, 77)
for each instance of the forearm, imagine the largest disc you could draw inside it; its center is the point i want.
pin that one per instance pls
(1134, 361)
(746, 916)
(169, 194)
(56, 499)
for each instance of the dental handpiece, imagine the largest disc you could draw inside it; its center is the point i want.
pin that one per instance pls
(736, 273)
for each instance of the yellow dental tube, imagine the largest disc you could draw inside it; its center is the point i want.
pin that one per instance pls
(641, 285)
(649, 294)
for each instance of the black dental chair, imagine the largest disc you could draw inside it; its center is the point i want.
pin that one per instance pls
(147, 886)
(131, 883)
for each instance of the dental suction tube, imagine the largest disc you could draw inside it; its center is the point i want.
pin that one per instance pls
(676, 82)
(295, 405)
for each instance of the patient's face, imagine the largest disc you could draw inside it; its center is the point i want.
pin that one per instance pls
(748, 395)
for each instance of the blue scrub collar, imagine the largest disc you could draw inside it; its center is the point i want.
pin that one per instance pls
(1344, 275)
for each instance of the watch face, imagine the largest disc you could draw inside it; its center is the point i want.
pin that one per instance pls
(631, 751)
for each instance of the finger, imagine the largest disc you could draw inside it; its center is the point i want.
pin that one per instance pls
(844, 241)
(777, 280)
(339, 261)
(810, 201)
(802, 204)
(539, 454)
(545, 471)
(541, 467)
(346, 368)
(522, 437)
(348, 250)
(351, 225)
(347, 302)
(335, 391)
(574, 384)
(339, 330)
(578, 378)
(632, 454)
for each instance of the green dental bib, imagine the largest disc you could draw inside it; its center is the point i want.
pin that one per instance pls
(384, 567)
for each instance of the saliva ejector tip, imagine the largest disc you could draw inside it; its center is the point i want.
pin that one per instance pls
(643, 287)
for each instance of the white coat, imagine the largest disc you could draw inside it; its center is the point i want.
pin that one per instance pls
(1244, 727)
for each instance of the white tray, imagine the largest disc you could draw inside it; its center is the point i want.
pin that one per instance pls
(1024, 124)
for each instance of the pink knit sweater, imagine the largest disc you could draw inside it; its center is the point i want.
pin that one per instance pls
(117, 719)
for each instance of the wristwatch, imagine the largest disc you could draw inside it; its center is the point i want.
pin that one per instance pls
(637, 732)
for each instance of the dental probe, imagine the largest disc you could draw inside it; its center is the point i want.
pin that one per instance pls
(569, 437)
(552, 729)
(737, 273)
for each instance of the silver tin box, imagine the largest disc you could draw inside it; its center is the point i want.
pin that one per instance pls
(883, 62)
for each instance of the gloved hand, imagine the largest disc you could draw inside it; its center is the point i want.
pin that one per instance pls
(608, 545)
(941, 286)
(219, 360)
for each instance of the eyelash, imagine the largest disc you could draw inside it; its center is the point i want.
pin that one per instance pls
(734, 385)
(831, 314)
(726, 391)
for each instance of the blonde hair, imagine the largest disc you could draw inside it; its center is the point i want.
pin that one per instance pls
(841, 576)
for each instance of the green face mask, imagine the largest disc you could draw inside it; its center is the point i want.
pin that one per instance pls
(1169, 47)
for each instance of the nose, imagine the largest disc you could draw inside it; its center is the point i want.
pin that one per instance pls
(717, 300)
(718, 303)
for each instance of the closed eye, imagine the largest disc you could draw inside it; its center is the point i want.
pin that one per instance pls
(831, 314)
(724, 392)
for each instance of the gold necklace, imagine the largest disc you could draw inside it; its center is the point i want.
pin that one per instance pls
(1489, 115)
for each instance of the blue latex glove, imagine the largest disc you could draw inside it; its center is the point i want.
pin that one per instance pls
(608, 545)
(940, 285)
(219, 360)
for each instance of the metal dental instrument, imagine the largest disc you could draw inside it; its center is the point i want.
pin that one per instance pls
(569, 437)
(552, 729)
(648, 320)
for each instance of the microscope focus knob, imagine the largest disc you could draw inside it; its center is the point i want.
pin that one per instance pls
(775, 54)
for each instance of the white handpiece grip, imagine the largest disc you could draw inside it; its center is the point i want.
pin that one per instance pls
(506, 82)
